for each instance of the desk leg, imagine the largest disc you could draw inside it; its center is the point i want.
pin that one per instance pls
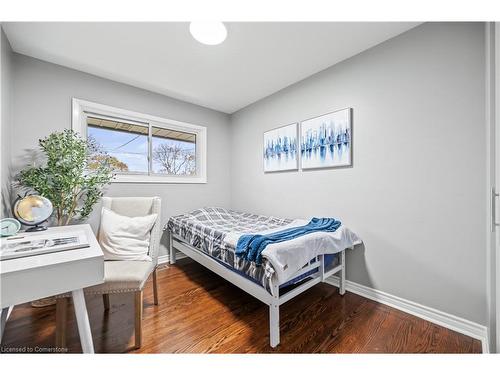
(3, 320)
(82, 320)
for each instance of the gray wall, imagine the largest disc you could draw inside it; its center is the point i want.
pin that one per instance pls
(42, 104)
(6, 125)
(416, 191)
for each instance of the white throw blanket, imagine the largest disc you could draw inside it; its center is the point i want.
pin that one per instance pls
(288, 257)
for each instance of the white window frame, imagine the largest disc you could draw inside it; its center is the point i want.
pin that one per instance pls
(82, 108)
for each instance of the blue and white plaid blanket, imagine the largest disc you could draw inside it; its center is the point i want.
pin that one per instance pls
(206, 228)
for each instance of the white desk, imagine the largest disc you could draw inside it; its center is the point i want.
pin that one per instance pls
(26, 279)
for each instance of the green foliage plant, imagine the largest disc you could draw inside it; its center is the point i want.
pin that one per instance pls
(73, 175)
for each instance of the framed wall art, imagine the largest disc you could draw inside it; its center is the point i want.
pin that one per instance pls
(281, 149)
(326, 140)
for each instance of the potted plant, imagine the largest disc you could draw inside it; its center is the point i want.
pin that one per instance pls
(72, 177)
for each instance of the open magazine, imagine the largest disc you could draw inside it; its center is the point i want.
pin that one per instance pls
(23, 245)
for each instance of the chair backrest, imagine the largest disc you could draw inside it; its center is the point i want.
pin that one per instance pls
(139, 206)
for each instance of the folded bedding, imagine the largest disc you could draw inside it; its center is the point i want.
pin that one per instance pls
(289, 244)
(288, 257)
(251, 246)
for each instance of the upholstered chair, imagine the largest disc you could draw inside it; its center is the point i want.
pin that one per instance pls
(123, 276)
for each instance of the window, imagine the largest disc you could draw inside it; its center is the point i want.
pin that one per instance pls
(144, 148)
(173, 152)
(125, 143)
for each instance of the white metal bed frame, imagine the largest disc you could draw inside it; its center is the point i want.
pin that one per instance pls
(274, 300)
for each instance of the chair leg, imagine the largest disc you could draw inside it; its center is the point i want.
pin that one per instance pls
(61, 321)
(105, 301)
(138, 319)
(155, 288)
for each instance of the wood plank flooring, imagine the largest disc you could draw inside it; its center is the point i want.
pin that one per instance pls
(200, 312)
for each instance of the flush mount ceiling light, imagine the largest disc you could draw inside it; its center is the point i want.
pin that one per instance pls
(210, 33)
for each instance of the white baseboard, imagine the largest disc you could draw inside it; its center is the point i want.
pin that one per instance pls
(162, 259)
(441, 318)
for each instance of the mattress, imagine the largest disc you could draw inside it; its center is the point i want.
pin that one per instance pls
(206, 228)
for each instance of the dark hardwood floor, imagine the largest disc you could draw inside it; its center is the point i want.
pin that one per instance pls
(200, 312)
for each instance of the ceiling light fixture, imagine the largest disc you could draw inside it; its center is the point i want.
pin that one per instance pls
(210, 33)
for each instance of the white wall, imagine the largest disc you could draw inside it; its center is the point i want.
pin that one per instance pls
(42, 104)
(416, 191)
(6, 125)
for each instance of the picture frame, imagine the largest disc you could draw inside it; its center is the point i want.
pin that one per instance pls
(280, 149)
(326, 140)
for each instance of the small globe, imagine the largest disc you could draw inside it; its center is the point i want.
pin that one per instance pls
(32, 209)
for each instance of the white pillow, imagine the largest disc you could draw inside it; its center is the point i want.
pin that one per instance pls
(123, 237)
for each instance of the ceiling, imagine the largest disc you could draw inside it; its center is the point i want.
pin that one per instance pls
(256, 60)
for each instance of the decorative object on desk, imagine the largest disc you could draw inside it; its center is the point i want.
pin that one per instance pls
(326, 141)
(74, 174)
(32, 210)
(280, 149)
(9, 227)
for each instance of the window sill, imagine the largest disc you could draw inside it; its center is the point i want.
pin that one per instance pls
(140, 179)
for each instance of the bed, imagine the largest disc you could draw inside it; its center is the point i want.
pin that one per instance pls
(210, 236)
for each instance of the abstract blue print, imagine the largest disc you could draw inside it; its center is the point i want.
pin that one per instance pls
(280, 149)
(326, 140)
